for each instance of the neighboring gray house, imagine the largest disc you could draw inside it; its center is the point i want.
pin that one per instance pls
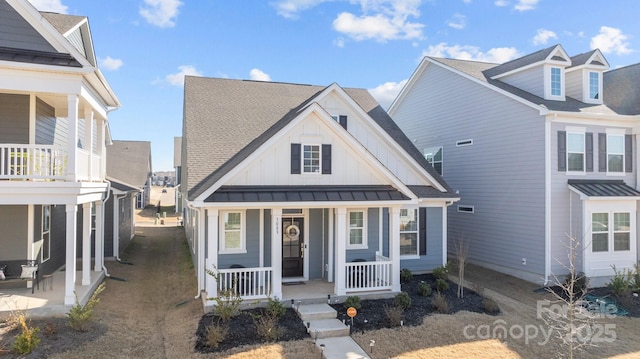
(536, 155)
(54, 106)
(298, 183)
(129, 172)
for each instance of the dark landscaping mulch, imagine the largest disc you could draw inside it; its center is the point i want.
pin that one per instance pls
(372, 315)
(242, 330)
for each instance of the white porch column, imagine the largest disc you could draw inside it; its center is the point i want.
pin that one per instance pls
(99, 249)
(116, 226)
(394, 247)
(70, 260)
(88, 139)
(86, 243)
(341, 250)
(211, 287)
(276, 252)
(72, 144)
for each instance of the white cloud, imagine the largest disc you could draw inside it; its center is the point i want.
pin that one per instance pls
(501, 3)
(290, 8)
(382, 20)
(259, 75)
(611, 40)
(161, 13)
(387, 92)
(468, 52)
(543, 36)
(526, 5)
(457, 21)
(177, 79)
(50, 5)
(110, 63)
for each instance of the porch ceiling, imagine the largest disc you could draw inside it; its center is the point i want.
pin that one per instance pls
(305, 194)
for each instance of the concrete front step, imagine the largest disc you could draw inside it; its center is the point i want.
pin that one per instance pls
(309, 312)
(327, 328)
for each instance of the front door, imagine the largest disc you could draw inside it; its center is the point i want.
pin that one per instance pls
(292, 247)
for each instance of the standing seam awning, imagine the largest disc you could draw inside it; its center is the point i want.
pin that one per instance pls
(305, 194)
(604, 188)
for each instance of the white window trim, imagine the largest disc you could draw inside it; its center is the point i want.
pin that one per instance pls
(365, 242)
(612, 235)
(417, 231)
(48, 231)
(587, 94)
(319, 160)
(611, 232)
(621, 133)
(243, 238)
(441, 149)
(577, 131)
(547, 80)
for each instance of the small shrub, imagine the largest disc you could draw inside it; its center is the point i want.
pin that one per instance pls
(216, 333)
(424, 289)
(439, 303)
(442, 285)
(402, 300)
(580, 284)
(28, 338)
(620, 283)
(394, 314)
(405, 275)
(81, 316)
(228, 301)
(635, 278)
(490, 306)
(352, 301)
(275, 308)
(441, 272)
(267, 328)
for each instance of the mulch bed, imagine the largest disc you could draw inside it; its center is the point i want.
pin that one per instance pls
(371, 316)
(628, 301)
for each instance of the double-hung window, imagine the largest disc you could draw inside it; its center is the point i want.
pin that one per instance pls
(603, 234)
(434, 157)
(311, 159)
(357, 229)
(46, 233)
(594, 85)
(575, 152)
(409, 231)
(233, 239)
(615, 153)
(556, 81)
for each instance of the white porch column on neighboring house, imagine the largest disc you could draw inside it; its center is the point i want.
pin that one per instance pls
(99, 247)
(116, 226)
(72, 116)
(88, 139)
(341, 250)
(86, 243)
(276, 252)
(211, 287)
(102, 148)
(70, 258)
(394, 247)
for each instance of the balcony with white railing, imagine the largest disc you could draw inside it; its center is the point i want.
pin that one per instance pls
(25, 162)
(368, 276)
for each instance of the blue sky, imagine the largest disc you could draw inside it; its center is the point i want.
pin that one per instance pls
(145, 47)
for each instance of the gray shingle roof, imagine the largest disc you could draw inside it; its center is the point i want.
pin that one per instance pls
(129, 162)
(529, 59)
(227, 120)
(621, 89)
(62, 22)
(604, 188)
(581, 59)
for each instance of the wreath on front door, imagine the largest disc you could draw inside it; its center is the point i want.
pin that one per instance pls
(292, 231)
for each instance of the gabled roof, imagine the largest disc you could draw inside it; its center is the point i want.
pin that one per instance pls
(63, 22)
(242, 115)
(129, 162)
(553, 53)
(621, 89)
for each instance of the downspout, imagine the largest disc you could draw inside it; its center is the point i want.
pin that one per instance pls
(200, 251)
(106, 198)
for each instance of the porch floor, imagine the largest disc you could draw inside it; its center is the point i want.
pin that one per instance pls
(312, 290)
(46, 303)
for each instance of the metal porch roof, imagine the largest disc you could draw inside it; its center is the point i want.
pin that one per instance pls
(305, 194)
(604, 188)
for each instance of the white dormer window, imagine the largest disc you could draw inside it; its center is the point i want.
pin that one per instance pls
(594, 85)
(556, 81)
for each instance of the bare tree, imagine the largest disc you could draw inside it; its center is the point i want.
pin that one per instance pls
(462, 252)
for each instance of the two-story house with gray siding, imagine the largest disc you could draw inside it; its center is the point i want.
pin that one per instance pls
(54, 106)
(289, 183)
(539, 154)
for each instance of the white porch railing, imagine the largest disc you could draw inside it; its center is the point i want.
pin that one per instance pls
(249, 283)
(32, 162)
(368, 276)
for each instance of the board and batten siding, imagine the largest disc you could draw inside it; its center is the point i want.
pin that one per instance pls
(14, 119)
(17, 33)
(501, 174)
(561, 224)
